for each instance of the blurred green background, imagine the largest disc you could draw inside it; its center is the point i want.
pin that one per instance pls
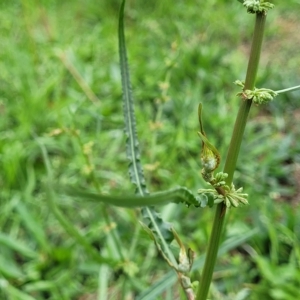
(60, 87)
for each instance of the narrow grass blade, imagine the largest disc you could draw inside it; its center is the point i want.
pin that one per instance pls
(12, 292)
(16, 245)
(104, 274)
(63, 56)
(9, 268)
(64, 222)
(32, 225)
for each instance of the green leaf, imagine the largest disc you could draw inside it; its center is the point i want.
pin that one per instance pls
(30, 221)
(132, 145)
(18, 246)
(64, 222)
(176, 195)
(9, 268)
(12, 292)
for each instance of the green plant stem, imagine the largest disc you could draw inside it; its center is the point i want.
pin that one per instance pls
(291, 89)
(255, 51)
(241, 120)
(232, 156)
(212, 252)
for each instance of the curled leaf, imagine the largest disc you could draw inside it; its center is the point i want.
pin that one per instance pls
(210, 157)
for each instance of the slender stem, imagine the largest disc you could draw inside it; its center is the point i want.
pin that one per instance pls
(212, 253)
(255, 51)
(294, 88)
(232, 156)
(77, 76)
(241, 120)
(236, 140)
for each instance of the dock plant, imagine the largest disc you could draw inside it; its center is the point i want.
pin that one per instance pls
(220, 191)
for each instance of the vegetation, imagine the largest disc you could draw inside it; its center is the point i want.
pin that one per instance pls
(62, 122)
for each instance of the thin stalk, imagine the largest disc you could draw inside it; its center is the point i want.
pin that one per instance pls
(294, 88)
(212, 252)
(241, 120)
(77, 76)
(231, 159)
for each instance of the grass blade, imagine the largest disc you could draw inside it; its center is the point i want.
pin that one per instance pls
(64, 222)
(12, 292)
(30, 222)
(9, 269)
(18, 246)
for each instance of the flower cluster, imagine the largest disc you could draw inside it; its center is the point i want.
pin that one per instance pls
(219, 180)
(258, 96)
(256, 6)
(230, 196)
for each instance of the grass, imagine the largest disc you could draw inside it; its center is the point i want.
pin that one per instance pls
(179, 55)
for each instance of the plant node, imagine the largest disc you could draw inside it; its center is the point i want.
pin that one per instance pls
(258, 96)
(210, 159)
(230, 196)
